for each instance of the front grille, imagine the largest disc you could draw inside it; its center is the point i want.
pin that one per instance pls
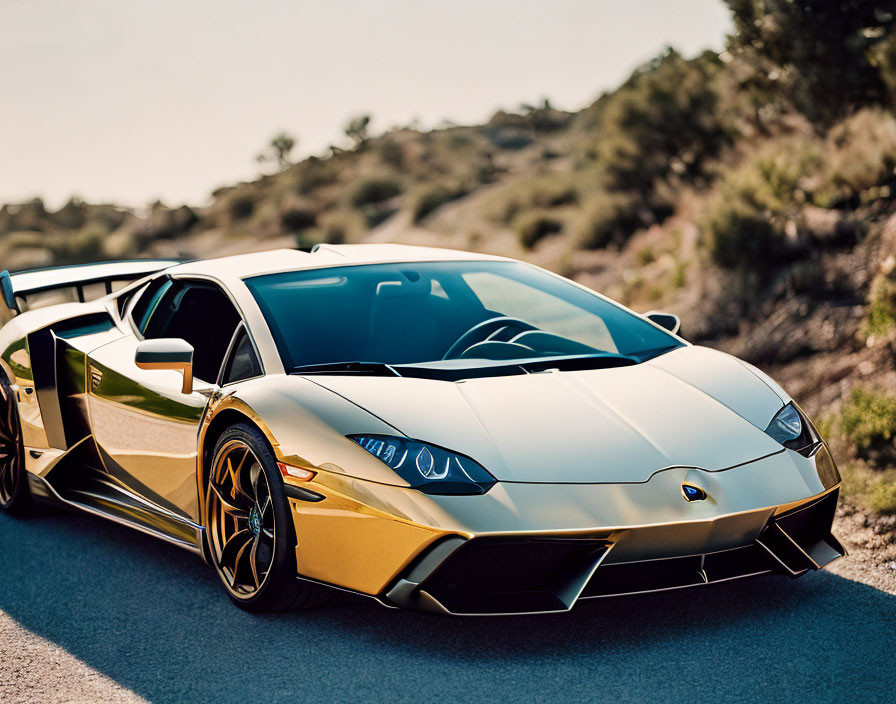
(500, 575)
(678, 572)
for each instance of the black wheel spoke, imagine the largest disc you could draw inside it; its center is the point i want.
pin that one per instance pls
(227, 505)
(233, 550)
(253, 559)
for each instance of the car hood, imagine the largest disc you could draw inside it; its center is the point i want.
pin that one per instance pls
(691, 407)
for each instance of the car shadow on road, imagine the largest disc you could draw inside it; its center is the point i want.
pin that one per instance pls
(153, 618)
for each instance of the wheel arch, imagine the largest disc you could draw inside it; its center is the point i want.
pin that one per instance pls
(218, 421)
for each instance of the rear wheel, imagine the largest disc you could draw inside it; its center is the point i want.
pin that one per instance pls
(250, 534)
(14, 495)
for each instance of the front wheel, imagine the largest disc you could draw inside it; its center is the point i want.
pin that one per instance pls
(14, 495)
(250, 533)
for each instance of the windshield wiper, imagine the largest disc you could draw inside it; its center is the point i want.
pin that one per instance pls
(359, 368)
(603, 360)
(645, 355)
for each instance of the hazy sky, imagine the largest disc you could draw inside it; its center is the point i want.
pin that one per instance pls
(129, 101)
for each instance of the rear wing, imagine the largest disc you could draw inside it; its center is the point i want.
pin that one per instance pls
(27, 290)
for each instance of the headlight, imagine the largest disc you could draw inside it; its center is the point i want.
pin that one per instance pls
(793, 430)
(428, 468)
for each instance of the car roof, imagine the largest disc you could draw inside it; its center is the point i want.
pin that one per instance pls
(278, 260)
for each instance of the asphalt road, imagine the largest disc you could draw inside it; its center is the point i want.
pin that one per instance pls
(152, 619)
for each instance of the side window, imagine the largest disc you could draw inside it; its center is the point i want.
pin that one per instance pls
(148, 300)
(242, 363)
(201, 314)
(123, 300)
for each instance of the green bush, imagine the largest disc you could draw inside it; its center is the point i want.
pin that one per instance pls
(242, 206)
(314, 173)
(860, 154)
(882, 496)
(739, 236)
(823, 56)
(429, 198)
(663, 121)
(608, 218)
(743, 225)
(375, 190)
(868, 420)
(645, 256)
(297, 218)
(881, 305)
(552, 192)
(532, 226)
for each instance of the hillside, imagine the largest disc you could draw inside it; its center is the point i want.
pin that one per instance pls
(750, 192)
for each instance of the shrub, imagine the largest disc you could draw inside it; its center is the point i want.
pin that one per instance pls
(532, 226)
(861, 154)
(72, 215)
(645, 255)
(296, 218)
(608, 218)
(664, 120)
(242, 206)
(868, 420)
(391, 152)
(743, 225)
(739, 236)
(869, 488)
(430, 198)
(82, 246)
(375, 190)
(315, 172)
(882, 496)
(340, 226)
(820, 55)
(551, 192)
(881, 305)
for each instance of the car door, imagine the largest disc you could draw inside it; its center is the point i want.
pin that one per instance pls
(145, 427)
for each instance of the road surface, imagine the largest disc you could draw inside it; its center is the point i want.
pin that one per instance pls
(94, 611)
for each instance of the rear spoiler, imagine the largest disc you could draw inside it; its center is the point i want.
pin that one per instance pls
(103, 278)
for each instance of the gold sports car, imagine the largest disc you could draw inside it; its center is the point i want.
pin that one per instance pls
(437, 430)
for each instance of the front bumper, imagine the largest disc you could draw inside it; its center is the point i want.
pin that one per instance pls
(529, 548)
(544, 575)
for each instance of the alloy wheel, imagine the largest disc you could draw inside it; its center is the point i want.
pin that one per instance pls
(10, 455)
(241, 524)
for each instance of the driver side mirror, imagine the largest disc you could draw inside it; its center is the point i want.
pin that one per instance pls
(667, 321)
(167, 353)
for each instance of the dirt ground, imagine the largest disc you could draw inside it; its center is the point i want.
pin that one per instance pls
(872, 548)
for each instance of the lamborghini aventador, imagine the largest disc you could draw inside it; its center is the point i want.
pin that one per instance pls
(433, 429)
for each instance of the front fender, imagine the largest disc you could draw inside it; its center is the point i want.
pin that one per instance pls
(306, 426)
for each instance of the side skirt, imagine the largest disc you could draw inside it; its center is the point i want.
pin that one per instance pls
(101, 497)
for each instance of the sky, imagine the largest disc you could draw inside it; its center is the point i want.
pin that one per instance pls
(129, 101)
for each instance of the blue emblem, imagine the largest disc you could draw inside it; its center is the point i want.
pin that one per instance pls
(692, 493)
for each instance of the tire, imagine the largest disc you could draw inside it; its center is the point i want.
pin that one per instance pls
(251, 539)
(15, 498)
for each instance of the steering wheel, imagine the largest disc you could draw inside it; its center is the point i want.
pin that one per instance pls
(481, 331)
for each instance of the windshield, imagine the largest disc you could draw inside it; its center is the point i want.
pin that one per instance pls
(427, 312)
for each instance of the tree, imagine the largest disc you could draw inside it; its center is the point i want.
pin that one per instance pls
(278, 150)
(822, 54)
(356, 129)
(664, 120)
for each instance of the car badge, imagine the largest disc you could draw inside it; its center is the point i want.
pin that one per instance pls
(692, 493)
